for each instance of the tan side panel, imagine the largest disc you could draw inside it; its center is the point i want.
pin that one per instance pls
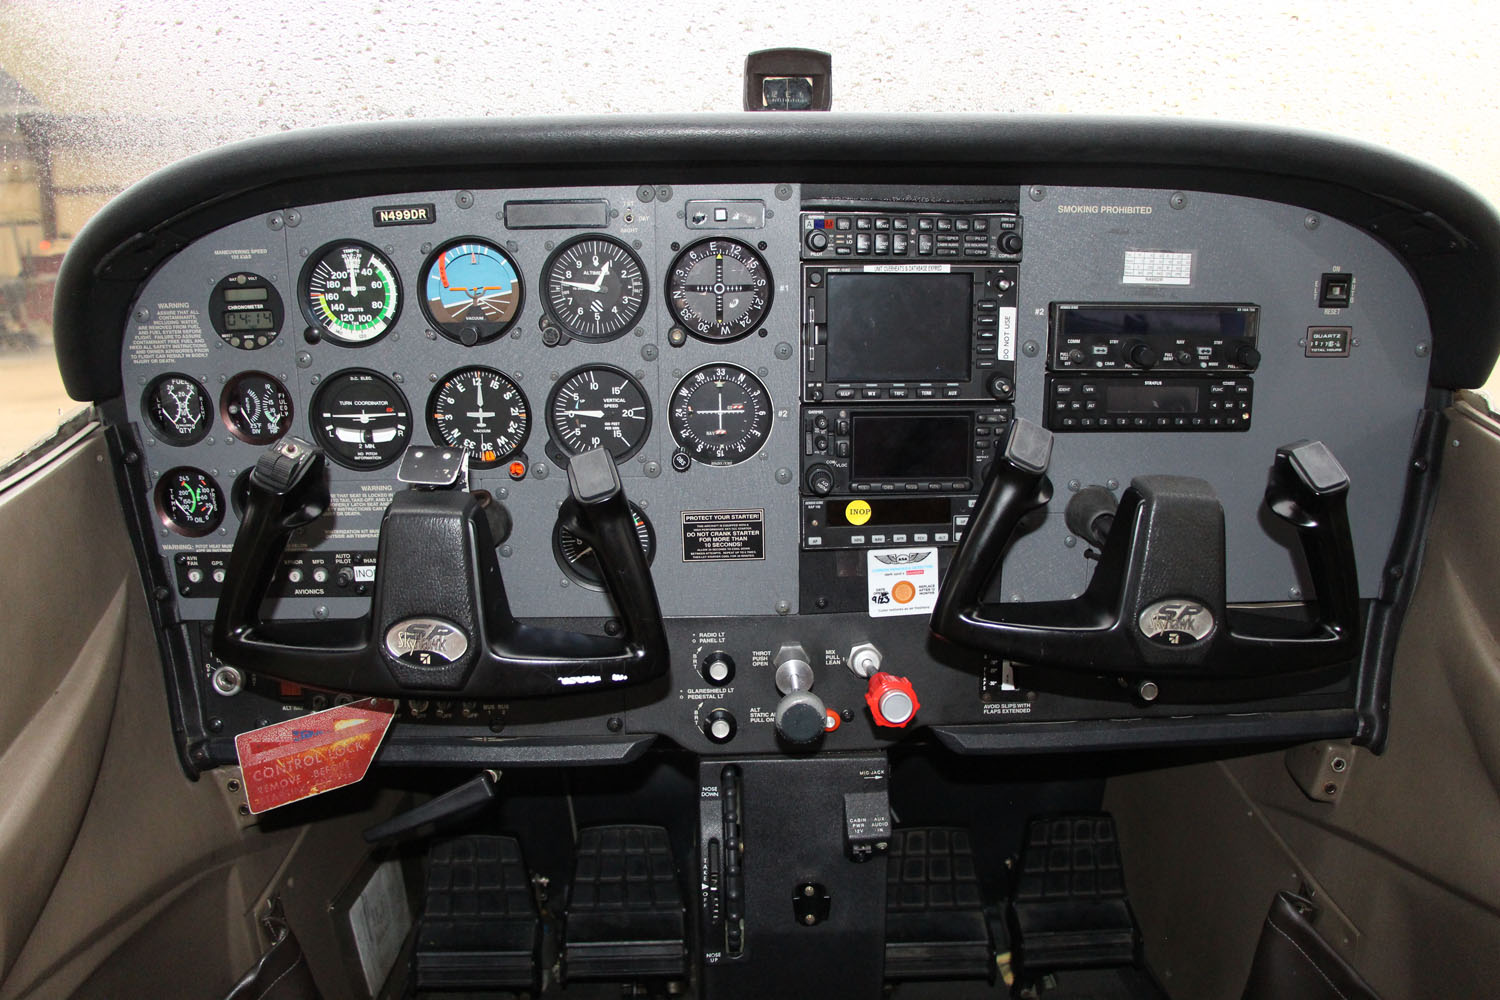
(153, 878)
(1405, 860)
(63, 591)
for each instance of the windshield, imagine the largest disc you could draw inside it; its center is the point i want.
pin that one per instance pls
(94, 96)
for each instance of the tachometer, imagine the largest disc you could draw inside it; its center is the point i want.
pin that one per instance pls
(595, 287)
(176, 407)
(599, 406)
(361, 419)
(471, 291)
(719, 289)
(350, 292)
(721, 414)
(482, 410)
(189, 501)
(256, 407)
(579, 560)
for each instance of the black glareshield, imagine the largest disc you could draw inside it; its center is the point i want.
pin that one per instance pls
(441, 623)
(1156, 601)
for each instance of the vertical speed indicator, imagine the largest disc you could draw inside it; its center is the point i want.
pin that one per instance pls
(349, 291)
(721, 414)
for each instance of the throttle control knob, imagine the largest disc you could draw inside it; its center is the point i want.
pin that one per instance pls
(892, 700)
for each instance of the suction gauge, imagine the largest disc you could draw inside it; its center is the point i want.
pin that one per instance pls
(189, 501)
(719, 289)
(471, 291)
(350, 292)
(595, 288)
(361, 419)
(177, 409)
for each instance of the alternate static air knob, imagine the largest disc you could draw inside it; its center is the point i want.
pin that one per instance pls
(801, 717)
(892, 700)
(1140, 355)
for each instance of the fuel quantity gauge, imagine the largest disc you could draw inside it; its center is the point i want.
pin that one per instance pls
(189, 502)
(177, 408)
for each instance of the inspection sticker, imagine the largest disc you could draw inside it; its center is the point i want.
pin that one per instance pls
(901, 581)
(313, 754)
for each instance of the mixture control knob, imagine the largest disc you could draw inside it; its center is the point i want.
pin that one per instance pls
(717, 668)
(1246, 356)
(865, 659)
(892, 700)
(719, 726)
(817, 241)
(1141, 355)
(820, 480)
(801, 718)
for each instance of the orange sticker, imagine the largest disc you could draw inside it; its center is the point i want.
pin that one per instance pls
(903, 592)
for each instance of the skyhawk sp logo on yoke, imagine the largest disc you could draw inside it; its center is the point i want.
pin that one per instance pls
(426, 642)
(1176, 622)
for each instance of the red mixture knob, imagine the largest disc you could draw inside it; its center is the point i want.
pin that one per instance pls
(892, 700)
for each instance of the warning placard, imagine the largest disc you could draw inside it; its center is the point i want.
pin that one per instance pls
(718, 535)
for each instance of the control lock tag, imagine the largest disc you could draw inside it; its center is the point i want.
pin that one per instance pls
(313, 754)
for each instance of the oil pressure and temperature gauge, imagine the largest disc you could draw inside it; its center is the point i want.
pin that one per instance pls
(189, 502)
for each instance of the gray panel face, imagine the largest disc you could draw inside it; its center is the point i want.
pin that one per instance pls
(416, 358)
(1364, 407)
